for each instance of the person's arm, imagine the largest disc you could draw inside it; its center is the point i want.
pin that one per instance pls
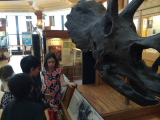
(64, 84)
(42, 89)
(49, 105)
(2, 89)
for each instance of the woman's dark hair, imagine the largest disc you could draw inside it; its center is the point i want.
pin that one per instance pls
(20, 85)
(6, 72)
(48, 56)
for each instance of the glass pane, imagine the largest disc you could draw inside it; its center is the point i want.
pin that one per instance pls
(65, 20)
(135, 21)
(20, 37)
(47, 21)
(58, 23)
(77, 63)
(151, 27)
(0, 23)
(11, 25)
(13, 41)
(22, 24)
(129, 1)
(53, 22)
(105, 4)
(3, 43)
(34, 20)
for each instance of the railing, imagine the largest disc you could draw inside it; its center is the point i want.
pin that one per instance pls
(24, 49)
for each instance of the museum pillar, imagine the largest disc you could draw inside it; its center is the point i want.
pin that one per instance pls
(36, 45)
(36, 53)
(39, 19)
(88, 74)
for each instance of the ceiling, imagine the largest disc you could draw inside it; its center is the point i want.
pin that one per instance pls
(28, 6)
(35, 5)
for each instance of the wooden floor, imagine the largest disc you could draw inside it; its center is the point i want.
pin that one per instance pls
(14, 62)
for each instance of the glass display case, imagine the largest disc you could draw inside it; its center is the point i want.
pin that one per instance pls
(3, 38)
(70, 58)
(151, 26)
(3, 41)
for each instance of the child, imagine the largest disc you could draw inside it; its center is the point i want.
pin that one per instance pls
(22, 108)
(53, 79)
(31, 66)
(6, 72)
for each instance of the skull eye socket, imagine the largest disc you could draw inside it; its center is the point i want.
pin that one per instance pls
(108, 28)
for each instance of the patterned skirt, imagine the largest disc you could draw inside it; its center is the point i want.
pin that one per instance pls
(7, 97)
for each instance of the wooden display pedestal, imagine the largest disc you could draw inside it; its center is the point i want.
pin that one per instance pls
(110, 104)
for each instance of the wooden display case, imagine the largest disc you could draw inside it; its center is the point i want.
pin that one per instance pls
(73, 72)
(3, 36)
(108, 103)
(53, 34)
(69, 71)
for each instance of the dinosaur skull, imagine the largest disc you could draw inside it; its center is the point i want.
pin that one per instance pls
(117, 48)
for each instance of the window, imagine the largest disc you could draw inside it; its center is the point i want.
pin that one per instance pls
(12, 31)
(47, 21)
(58, 23)
(13, 41)
(11, 25)
(0, 23)
(16, 25)
(65, 20)
(53, 21)
(105, 4)
(22, 24)
(34, 20)
(135, 21)
(128, 1)
(20, 37)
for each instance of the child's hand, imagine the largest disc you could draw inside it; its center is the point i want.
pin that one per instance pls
(48, 96)
(72, 85)
(54, 108)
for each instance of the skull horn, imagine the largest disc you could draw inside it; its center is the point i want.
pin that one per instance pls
(112, 9)
(131, 8)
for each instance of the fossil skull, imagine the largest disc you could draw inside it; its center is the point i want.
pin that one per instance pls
(116, 47)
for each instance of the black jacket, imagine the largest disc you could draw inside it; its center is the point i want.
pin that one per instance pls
(37, 96)
(23, 109)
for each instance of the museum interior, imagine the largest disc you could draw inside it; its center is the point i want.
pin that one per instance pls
(101, 99)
